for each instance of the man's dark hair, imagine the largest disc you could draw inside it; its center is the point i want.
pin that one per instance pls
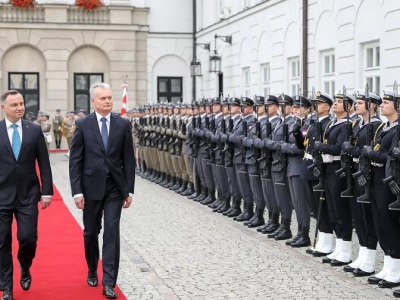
(8, 93)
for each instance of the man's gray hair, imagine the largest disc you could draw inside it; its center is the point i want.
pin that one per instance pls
(100, 85)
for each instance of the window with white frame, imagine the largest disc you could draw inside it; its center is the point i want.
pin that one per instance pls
(265, 79)
(294, 75)
(328, 71)
(246, 81)
(372, 66)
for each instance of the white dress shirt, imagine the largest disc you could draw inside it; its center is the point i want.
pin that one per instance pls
(100, 122)
(10, 130)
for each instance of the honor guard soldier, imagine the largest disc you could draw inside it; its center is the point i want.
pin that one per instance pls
(232, 125)
(279, 168)
(386, 221)
(202, 157)
(222, 204)
(363, 130)
(206, 164)
(339, 207)
(239, 159)
(268, 125)
(300, 190)
(252, 157)
(312, 168)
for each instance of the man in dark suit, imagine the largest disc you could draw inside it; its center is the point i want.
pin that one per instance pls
(102, 175)
(21, 145)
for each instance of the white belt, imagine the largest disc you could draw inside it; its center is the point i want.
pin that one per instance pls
(376, 164)
(326, 158)
(356, 160)
(307, 156)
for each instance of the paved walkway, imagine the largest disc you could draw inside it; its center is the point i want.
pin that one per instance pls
(174, 248)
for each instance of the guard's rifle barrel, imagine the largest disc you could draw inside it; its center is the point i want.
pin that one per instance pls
(266, 154)
(363, 175)
(346, 160)
(254, 153)
(317, 167)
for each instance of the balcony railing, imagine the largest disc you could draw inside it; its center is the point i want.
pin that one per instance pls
(78, 15)
(9, 13)
(71, 14)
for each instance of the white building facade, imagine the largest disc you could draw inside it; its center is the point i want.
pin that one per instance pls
(349, 43)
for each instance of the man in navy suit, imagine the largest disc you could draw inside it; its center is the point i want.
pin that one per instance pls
(22, 144)
(102, 175)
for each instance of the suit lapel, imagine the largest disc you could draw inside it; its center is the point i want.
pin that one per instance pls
(4, 137)
(25, 136)
(95, 129)
(113, 130)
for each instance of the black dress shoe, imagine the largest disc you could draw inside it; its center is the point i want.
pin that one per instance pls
(259, 229)
(7, 295)
(284, 234)
(349, 269)
(301, 242)
(25, 280)
(384, 284)
(271, 229)
(320, 254)
(396, 293)
(109, 293)
(256, 223)
(275, 233)
(310, 251)
(235, 212)
(338, 263)
(92, 279)
(360, 273)
(326, 260)
(374, 280)
(294, 239)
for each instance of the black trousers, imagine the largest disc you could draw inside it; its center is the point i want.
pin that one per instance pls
(269, 195)
(282, 195)
(363, 221)
(111, 207)
(339, 207)
(324, 222)
(386, 221)
(300, 192)
(27, 235)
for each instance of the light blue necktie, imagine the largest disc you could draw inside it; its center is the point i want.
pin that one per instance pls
(16, 141)
(104, 132)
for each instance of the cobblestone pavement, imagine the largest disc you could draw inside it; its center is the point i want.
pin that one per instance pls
(174, 248)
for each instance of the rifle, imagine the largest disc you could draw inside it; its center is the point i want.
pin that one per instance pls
(220, 146)
(254, 155)
(282, 157)
(363, 175)
(243, 149)
(394, 179)
(346, 160)
(266, 154)
(229, 148)
(178, 141)
(211, 145)
(317, 167)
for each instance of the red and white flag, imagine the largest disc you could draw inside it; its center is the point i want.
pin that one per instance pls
(124, 107)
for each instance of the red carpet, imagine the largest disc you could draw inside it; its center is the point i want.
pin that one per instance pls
(59, 270)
